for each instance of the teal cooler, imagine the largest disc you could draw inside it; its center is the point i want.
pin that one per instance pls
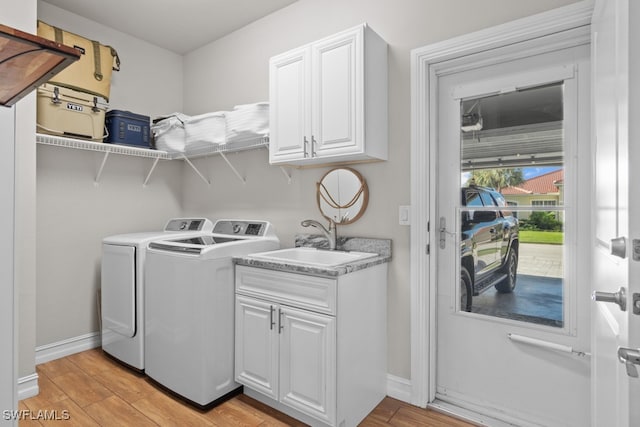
(125, 127)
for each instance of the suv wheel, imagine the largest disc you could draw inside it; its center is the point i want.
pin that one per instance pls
(509, 282)
(465, 290)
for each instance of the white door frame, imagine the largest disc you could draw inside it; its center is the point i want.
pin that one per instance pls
(8, 362)
(426, 63)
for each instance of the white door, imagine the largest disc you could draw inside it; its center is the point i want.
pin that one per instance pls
(256, 345)
(336, 88)
(289, 115)
(118, 278)
(615, 395)
(308, 362)
(515, 354)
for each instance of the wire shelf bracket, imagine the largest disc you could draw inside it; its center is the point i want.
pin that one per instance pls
(286, 174)
(190, 163)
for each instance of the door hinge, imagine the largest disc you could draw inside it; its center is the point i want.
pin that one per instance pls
(428, 249)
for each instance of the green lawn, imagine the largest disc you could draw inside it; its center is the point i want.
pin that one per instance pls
(548, 237)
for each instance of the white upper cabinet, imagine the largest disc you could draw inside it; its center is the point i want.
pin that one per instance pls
(328, 100)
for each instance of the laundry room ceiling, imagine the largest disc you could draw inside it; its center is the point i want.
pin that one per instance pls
(179, 26)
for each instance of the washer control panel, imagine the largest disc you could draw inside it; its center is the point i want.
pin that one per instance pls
(240, 228)
(188, 224)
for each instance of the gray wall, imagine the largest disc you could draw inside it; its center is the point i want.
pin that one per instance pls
(74, 214)
(233, 70)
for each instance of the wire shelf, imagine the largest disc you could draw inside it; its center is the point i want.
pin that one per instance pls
(157, 155)
(232, 147)
(101, 147)
(79, 144)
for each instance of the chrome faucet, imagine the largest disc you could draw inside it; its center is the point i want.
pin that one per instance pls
(330, 234)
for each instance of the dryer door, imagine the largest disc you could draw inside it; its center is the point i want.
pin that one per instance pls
(119, 289)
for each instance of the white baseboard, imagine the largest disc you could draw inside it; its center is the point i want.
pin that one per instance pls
(399, 388)
(28, 386)
(48, 352)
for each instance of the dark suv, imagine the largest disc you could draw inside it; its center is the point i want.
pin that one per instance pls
(488, 244)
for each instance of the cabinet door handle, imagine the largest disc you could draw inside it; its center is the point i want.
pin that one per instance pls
(280, 324)
(272, 322)
(313, 146)
(306, 146)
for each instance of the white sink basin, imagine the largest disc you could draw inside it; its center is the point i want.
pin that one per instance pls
(313, 256)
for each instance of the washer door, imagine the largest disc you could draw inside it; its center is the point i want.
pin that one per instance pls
(119, 289)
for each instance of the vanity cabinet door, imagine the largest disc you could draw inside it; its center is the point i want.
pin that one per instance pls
(308, 363)
(289, 111)
(256, 345)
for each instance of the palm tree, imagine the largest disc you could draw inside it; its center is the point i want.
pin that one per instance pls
(497, 178)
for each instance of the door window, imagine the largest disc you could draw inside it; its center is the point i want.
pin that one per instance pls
(512, 155)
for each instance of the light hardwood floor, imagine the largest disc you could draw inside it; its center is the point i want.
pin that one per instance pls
(90, 389)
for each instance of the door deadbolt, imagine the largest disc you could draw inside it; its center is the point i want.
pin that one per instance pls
(619, 247)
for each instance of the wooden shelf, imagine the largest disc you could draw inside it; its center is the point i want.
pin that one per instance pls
(27, 61)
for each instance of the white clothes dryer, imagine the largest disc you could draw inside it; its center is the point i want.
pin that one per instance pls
(122, 287)
(189, 332)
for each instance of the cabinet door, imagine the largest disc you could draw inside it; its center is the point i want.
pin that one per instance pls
(289, 112)
(308, 363)
(256, 345)
(337, 94)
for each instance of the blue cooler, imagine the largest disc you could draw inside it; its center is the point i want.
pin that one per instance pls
(125, 127)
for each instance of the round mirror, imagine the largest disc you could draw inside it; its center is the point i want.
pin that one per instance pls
(342, 195)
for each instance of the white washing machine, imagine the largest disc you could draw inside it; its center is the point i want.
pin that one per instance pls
(189, 332)
(122, 287)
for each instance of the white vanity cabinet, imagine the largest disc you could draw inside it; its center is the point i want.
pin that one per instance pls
(312, 347)
(328, 100)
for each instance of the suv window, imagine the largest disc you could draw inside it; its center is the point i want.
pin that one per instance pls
(499, 199)
(502, 203)
(487, 200)
(473, 199)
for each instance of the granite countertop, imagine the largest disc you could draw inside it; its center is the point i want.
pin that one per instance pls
(380, 246)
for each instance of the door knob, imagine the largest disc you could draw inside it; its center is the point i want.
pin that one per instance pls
(630, 357)
(619, 297)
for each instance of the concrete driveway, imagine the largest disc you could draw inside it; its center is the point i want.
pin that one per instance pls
(537, 297)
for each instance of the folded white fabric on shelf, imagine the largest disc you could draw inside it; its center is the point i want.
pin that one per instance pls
(247, 121)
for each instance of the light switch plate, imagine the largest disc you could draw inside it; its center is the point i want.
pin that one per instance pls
(404, 215)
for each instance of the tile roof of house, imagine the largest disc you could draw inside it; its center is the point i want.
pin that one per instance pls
(543, 184)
